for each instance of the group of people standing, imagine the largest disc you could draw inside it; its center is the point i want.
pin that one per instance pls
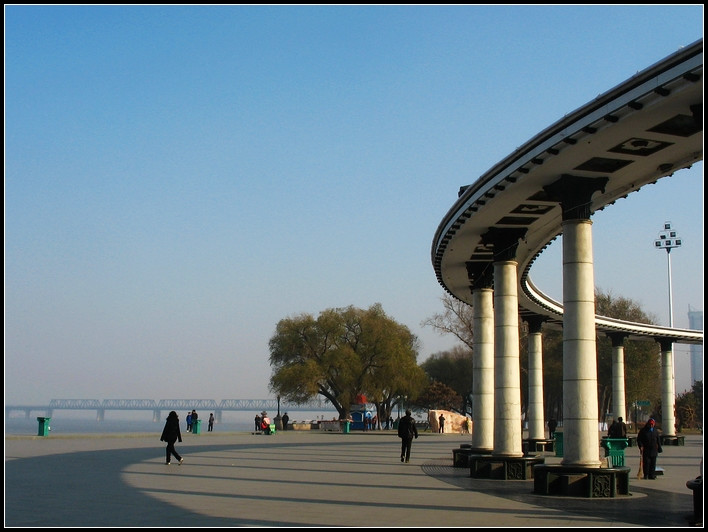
(618, 429)
(262, 421)
(192, 417)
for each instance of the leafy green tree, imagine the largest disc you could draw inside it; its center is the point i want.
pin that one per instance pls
(454, 368)
(438, 396)
(642, 364)
(343, 353)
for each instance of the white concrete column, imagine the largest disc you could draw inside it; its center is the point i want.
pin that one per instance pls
(507, 374)
(537, 429)
(580, 400)
(619, 406)
(668, 394)
(483, 369)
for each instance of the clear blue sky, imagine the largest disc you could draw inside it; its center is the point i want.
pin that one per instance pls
(180, 178)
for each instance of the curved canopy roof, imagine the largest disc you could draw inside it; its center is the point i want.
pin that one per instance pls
(644, 129)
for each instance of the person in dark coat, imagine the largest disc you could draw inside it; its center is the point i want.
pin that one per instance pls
(285, 420)
(407, 431)
(649, 443)
(552, 424)
(622, 428)
(171, 434)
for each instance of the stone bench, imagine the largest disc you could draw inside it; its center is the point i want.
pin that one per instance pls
(576, 481)
(539, 445)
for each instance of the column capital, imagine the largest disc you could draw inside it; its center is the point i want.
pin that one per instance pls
(480, 274)
(504, 241)
(665, 343)
(617, 338)
(574, 194)
(535, 322)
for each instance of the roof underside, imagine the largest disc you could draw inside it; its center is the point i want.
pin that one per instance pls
(643, 130)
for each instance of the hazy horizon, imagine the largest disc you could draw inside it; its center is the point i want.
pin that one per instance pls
(180, 178)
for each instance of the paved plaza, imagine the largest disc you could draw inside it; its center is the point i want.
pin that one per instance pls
(308, 478)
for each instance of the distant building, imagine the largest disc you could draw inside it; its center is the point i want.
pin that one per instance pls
(695, 321)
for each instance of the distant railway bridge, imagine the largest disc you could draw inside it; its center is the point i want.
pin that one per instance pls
(157, 407)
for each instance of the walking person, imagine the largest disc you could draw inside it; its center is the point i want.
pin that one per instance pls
(171, 434)
(189, 422)
(649, 443)
(211, 422)
(441, 420)
(285, 420)
(257, 421)
(407, 431)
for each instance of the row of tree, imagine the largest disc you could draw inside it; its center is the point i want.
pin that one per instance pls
(347, 352)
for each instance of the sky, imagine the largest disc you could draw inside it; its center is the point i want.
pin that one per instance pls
(180, 178)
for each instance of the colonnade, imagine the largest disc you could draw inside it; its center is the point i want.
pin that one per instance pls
(496, 386)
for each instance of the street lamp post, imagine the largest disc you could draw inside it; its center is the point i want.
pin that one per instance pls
(668, 240)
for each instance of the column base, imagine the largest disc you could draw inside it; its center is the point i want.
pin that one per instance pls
(533, 445)
(575, 481)
(503, 467)
(672, 440)
(460, 457)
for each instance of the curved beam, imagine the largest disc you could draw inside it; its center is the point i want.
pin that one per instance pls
(638, 132)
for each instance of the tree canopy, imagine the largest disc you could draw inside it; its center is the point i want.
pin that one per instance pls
(642, 358)
(454, 368)
(343, 353)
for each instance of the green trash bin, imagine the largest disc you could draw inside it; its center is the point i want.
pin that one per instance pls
(614, 448)
(43, 429)
(196, 426)
(345, 426)
(558, 436)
